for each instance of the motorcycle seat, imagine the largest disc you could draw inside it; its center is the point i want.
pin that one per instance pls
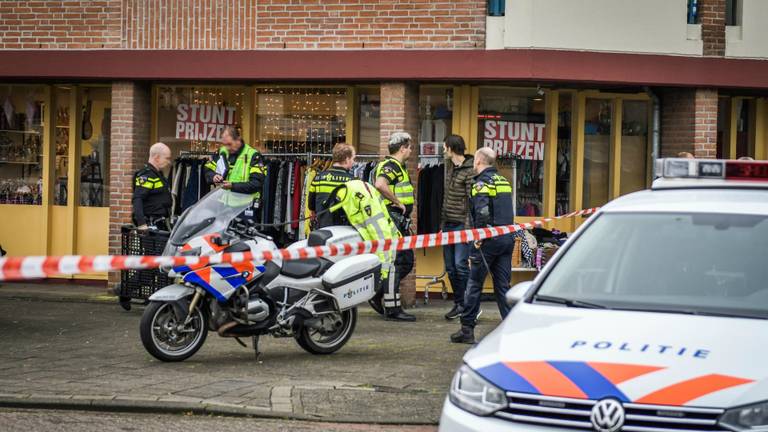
(318, 237)
(304, 268)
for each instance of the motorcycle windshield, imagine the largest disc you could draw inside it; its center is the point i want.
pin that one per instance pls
(212, 214)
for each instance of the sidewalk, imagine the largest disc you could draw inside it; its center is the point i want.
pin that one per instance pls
(78, 349)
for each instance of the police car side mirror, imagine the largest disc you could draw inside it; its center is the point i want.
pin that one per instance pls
(518, 292)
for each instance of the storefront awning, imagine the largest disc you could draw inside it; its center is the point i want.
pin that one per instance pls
(541, 66)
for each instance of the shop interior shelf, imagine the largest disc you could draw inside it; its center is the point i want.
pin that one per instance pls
(62, 126)
(30, 132)
(18, 162)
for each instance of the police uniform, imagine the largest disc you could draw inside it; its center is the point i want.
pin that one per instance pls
(490, 205)
(151, 197)
(246, 171)
(320, 190)
(401, 187)
(364, 209)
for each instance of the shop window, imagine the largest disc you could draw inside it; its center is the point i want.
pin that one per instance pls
(597, 146)
(369, 121)
(563, 176)
(21, 144)
(299, 120)
(61, 119)
(511, 121)
(496, 7)
(733, 12)
(193, 118)
(634, 146)
(435, 119)
(94, 146)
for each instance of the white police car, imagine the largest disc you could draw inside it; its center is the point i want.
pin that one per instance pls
(652, 318)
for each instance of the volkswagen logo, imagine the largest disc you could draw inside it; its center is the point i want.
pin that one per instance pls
(607, 415)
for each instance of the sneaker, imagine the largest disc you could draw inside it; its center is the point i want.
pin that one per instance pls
(466, 335)
(455, 312)
(398, 314)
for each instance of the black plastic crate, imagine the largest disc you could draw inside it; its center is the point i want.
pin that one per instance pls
(140, 284)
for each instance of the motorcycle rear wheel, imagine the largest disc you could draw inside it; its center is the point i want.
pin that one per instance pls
(160, 335)
(320, 342)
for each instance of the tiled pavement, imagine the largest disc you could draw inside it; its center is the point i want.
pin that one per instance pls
(78, 354)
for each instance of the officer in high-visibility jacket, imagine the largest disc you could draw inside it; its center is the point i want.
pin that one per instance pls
(151, 199)
(394, 184)
(326, 182)
(238, 167)
(490, 205)
(364, 209)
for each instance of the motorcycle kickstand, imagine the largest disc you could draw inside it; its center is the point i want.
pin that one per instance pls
(256, 352)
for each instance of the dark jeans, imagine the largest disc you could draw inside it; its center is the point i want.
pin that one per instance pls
(498, 255)
(456, 258)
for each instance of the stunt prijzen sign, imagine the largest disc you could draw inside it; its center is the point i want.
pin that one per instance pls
(203, 122)
(523, 139)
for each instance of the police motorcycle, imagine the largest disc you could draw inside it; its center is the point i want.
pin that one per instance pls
(312, 300)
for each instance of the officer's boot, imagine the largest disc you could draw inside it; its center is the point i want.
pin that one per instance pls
(397, 314)
(465, 335)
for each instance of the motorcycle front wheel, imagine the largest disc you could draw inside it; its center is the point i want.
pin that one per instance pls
(333, 332)
(164, 336)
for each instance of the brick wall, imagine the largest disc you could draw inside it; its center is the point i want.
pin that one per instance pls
(371, 24)
(400, 112)
(129, 151)
(59, 24)
(689, 122)
(712, 18)
(241, 24)
(189, 24)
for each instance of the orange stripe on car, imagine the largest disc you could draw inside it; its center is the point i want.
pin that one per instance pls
(617, 373)
(548, 380)
(686, 391)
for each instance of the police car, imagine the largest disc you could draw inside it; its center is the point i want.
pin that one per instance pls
(652, 318)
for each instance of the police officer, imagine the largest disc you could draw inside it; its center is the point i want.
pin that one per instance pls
(394, 184)
(151, 191)
(326, 182)
(238, 167)
(364, 209)
(490, 205)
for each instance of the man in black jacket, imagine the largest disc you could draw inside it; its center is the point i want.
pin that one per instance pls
(151, 191)
(454, 217)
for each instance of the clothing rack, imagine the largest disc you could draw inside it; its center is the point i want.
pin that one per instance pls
(310, 155)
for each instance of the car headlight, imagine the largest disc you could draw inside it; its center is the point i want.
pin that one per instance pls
(747, 418)
(473, 393)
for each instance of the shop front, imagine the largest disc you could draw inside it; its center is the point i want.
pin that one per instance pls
(54, 169)
(564, 149)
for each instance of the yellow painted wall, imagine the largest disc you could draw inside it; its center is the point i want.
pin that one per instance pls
(61, 231)
(21, 230)
(92, 235)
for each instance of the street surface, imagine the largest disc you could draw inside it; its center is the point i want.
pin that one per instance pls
(64, 421)
(80, 353)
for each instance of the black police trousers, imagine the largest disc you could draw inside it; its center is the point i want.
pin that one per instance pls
(497, 254)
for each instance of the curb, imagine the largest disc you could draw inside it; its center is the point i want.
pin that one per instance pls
(177, 406)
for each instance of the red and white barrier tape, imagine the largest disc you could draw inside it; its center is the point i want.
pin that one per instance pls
(35, 267)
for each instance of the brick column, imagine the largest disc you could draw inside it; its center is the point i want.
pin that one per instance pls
(400, 112)
(131, 112)
(712, 18)
(689, 122)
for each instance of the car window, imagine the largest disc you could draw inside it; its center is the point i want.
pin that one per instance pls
(694, 263)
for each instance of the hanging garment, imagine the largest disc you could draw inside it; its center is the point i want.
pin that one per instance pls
(298, 182)
(191, 193)
(277, 214)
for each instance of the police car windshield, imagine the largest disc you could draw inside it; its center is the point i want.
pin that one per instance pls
(704, 264)
(211, 214)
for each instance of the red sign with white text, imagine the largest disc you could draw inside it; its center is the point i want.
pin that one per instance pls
(523, 139)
